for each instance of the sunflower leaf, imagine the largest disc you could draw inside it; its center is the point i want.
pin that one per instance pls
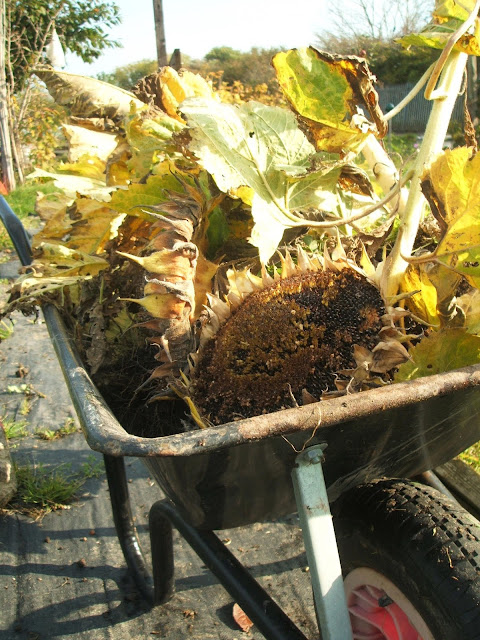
(260, 147)
(448, 16)
(326, 91)
(452, 186)
(441, 351)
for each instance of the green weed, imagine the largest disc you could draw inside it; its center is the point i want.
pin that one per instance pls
(68, 428)
(6, 330)
(93, 468)
(22, 202)
(14, 428)
(471, 456)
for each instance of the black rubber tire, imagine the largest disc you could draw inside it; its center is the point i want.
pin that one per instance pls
(424, 543)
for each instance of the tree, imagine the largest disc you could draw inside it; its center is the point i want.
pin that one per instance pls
(222, 55)
(382, 20)
(81, 26)
(369, 29)
(251, 68)
(127, 76)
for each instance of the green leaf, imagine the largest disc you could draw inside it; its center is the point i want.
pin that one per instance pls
(150, 139)
(152, 193)
(325, 90)
(262, 148)
(441, 351)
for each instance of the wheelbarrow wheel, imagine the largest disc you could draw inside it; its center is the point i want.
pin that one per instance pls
(411, 563)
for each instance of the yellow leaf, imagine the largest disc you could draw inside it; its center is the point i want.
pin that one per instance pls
(424, 303)
(174, 87)
(57, 260)
(87, 166)
(452, 187)
(448, 16)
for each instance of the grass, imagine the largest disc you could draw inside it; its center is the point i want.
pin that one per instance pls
(42, 489)
(22, 201)
(401, 147)
(45, 488)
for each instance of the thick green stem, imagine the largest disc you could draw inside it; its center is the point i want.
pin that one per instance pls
(444, 98)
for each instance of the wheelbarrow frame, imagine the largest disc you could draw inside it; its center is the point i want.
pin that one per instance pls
(105, 434)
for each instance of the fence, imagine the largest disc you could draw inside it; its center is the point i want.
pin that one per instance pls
(413, 118)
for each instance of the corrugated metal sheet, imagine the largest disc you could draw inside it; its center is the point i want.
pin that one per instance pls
(413, 118)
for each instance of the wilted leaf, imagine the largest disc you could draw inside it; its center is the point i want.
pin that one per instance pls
(260, 147)
(55, 260)
(48, 205)
(454, 191)
(88, 97)
(387, 355)
(470, 305)
(325, 90)
(241, 618)
(441, 351)
(87, 226)
(168, 88)
(73, 185)
(86, 142)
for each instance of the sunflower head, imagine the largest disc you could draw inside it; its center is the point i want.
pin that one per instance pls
(283, 343)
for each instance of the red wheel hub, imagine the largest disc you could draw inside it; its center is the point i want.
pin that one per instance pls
(375, 616)
(380, 611)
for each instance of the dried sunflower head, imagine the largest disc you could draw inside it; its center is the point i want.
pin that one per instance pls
(284, 343)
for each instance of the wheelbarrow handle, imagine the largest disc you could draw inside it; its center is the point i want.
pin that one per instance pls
(16, 231)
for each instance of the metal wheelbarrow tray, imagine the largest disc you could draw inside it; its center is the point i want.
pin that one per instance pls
(241, 472)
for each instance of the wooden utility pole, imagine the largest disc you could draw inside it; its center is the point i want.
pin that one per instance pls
(5, 143)
(160, 33)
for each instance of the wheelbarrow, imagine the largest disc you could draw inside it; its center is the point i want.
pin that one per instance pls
(399, 560)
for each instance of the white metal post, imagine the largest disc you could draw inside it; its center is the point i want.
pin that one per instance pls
(321, 545)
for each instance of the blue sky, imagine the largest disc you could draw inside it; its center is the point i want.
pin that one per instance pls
(196, 26)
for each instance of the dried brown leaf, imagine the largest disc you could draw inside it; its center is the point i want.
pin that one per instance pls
(241, 618)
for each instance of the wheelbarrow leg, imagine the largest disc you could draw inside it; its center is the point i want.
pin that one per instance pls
(271, 621)
(122, 517)
(161, 544)
(321, 545)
